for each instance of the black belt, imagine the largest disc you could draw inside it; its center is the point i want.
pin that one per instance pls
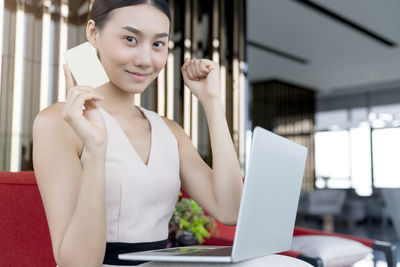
(115, 248)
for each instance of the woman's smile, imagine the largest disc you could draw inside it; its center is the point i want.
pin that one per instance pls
(138, 76)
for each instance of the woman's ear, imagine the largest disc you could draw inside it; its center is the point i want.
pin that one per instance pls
(91, 33)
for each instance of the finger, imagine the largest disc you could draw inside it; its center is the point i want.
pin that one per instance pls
(77, 93)
(72, 95)
(86, 89)
(78, 90)
(83, 99)
(199, 73)
(185, 63)
(75, 100)
(184, 72)
(209, 64)
(189, 72)
(187, 60)
(192, 67)
(91, 104)
(74, 107)
(211, 67)
(203, 66)
(69, 80)
(203, 69)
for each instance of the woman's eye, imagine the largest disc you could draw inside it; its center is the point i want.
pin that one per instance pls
(130, 39)
(159, 44)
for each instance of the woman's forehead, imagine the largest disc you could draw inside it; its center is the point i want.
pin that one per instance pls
(144, 18)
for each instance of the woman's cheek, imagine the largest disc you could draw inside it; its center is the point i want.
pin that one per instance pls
(161, 60)
(121, 56)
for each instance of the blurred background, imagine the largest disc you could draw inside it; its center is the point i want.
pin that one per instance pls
(325, 74)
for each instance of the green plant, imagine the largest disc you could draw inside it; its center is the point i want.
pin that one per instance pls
(189, 216)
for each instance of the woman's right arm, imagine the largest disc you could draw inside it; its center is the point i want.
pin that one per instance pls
(73, 196)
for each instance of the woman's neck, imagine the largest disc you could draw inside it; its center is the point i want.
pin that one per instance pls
(117, 101)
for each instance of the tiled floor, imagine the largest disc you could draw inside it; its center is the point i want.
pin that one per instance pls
(369, 229)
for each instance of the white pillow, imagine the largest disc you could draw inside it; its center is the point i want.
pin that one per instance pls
(266, 261)
(334, 251)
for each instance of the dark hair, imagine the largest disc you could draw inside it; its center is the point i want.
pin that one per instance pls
(100, 10)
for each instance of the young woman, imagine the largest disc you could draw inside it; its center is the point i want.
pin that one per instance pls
(109, 174)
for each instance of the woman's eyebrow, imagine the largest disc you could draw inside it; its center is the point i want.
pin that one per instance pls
(136, 31)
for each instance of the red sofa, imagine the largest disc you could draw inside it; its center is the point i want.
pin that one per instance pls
(25, 237)
(24, 233)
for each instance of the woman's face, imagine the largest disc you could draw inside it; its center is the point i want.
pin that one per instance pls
(133, 46)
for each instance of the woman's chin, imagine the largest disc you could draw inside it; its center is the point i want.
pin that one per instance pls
(135, 89)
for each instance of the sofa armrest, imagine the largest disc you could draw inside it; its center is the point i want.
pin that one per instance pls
(389, 250)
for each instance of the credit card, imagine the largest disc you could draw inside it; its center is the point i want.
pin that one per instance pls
(85, 65)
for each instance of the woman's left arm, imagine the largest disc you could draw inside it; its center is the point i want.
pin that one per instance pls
(227, 178)
(218, 190)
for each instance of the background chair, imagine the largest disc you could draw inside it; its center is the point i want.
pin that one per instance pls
(391, 197)
(326, 203)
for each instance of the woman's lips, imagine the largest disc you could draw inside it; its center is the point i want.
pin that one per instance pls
(137, 76)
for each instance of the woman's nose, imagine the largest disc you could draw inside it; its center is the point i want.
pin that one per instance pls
(142, 57)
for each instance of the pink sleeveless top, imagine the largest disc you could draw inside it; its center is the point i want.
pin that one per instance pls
(140, 198)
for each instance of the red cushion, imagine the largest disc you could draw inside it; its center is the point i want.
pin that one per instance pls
(223, 236)
(24, 235)
(291, 253)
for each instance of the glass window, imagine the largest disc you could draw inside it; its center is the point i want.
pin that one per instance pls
(332, 157)
(386, 157)
(343, 154)
(360, 158)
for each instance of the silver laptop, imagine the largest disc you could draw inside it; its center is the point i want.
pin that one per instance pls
(267, 209)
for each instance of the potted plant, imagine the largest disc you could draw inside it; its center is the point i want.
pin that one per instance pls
(189, 225)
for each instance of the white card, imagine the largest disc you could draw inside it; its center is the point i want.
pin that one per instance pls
(85, 65)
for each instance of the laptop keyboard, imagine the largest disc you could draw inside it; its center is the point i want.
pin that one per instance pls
(211, 252)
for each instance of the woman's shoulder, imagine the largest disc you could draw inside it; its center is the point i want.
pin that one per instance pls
(51, 117)
(176, 129)
(50, 120)
(53, 111)
(173, 126)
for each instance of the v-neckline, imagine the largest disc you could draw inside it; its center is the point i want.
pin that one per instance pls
(129, 142)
